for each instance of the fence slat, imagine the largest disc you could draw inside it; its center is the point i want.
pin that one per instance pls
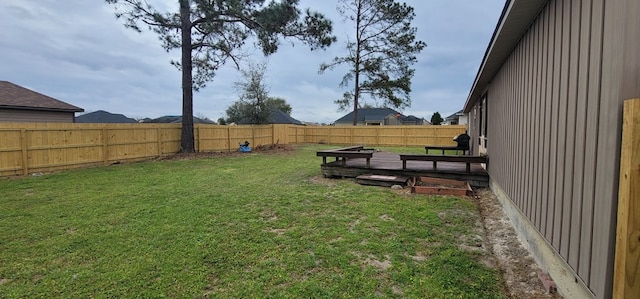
(626, 281)
(105, 146)
(25, 166)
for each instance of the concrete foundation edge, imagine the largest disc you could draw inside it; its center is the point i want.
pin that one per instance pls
(568, 284)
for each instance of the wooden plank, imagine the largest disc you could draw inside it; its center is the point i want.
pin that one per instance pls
(626, 282)
(105, 146)
(23, 138)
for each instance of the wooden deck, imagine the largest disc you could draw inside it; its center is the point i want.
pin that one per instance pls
(385, 163)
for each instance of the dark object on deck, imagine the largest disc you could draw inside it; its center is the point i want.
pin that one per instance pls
(463, 141)
(244, 148)
(345, 153)
(463, 145)
(435, 158)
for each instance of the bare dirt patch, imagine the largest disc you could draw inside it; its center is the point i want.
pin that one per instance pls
(320, 180)
(518, 268)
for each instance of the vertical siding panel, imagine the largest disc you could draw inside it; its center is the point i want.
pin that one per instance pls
(584, 263)
(543, 123)
(542, 137)
(534, 128)
(552, 123)
(524, 119)
(507, 128)
(530, 126)
(558, 122)
(512, 128)
(561, 107)
(549, 148)
(578, 132)
(521, 159)
(514, 143)
(608, 141)
(593, 106)
(513, 116)
(528, 118)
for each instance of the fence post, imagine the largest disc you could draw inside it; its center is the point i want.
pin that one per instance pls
(23, 140)
(626, 279)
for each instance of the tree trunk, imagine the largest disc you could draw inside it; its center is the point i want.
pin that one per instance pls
(187, 144)
(356, 90)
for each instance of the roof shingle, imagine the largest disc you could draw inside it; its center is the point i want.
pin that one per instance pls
(17, 97)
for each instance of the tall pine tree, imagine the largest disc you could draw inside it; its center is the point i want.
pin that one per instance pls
(379, 55)
(212, 32)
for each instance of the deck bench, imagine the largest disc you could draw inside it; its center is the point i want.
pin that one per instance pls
(443, 158)
(462, 141)
(464, 150)
(345, 153)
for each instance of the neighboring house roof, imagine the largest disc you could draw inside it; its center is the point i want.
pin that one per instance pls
(454, 116)
(514, 21)
(368, 115)
(13, 96)
(277, 117)
(413, 119)
(175, 119)
(102, 116)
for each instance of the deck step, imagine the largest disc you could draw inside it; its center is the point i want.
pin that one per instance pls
(381, 180)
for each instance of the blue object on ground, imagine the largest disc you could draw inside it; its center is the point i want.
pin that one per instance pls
(244, 148)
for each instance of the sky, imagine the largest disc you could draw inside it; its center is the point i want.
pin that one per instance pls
(77, 51)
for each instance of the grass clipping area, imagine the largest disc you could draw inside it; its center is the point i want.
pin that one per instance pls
(234, 226)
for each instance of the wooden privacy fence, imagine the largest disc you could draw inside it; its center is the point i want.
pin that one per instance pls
(626, 282)
(376, 135)
(43, 147)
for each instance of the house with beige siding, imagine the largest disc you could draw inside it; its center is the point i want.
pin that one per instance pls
(546, 107)
(19, 104)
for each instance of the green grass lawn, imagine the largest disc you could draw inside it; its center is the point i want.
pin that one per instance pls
(257, 225)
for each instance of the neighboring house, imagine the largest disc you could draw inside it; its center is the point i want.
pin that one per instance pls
(458, 118)
(546, 107)
(19, 104)
(102, 116)
(380, 117)
(277, 117)
(174, 119)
